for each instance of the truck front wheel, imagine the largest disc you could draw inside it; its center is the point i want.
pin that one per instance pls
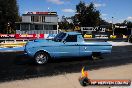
(41, 58)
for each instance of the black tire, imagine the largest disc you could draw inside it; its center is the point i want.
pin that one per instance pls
(41, 58)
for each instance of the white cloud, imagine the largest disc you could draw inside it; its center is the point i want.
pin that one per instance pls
(103, 14)
(25, 12)
(56, 1)
(129, 18)
(68, 10)
(68, 0)
(99, 5)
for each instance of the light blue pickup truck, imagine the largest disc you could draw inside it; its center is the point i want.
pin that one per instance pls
(65, 45)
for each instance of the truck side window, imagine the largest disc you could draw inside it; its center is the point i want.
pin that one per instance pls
(71, 38)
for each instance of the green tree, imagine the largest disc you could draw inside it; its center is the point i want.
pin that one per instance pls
(103, 22)
(127, 23)
(8, 15)
(64, 24)
(87, 15)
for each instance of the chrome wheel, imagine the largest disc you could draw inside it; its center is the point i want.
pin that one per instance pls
(41, 58)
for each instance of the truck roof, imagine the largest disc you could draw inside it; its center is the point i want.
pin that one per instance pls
(73, 33)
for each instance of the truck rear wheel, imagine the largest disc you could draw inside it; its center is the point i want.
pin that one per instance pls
(41, 58)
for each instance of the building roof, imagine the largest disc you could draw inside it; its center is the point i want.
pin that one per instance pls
(40, 13)
(52, 23)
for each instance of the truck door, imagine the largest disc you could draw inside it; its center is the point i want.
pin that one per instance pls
(70, 47)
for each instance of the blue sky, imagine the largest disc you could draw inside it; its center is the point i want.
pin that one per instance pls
(119, 9)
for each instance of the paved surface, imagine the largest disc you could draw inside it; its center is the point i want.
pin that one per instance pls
(64, 73)
(119, 43)
(13, 67)
(70, 80)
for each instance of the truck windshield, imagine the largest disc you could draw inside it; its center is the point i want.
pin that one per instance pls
(59, 37)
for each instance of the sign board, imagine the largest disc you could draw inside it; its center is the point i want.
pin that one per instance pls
(97, 29)
(102, 36)
(49, 36)
(7, 35)
(87, 36)
(120, 26)
(29, 36)
(77, 28)
(113, 36)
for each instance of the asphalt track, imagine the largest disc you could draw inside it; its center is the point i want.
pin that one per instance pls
(15, 66)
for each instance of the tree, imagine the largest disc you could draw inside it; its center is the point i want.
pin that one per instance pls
(8, 15)
(86, 15)
(103, 22)
(64, 24)
(127, 23)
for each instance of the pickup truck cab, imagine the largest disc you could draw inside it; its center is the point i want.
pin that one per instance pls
(65, 45)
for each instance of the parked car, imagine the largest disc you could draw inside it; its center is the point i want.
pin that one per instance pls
(65, 45)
